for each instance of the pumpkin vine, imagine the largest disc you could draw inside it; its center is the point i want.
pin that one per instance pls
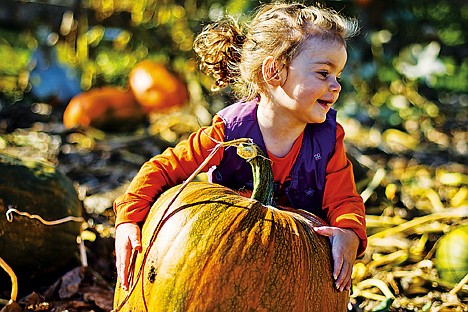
(9, 216)
(14, 280)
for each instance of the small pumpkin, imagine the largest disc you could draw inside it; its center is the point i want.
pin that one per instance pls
(452, 255)
(37, 188)
(212, 249)
(156, 88)
(108, 108)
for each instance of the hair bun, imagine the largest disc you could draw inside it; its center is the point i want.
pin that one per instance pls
(219, 48)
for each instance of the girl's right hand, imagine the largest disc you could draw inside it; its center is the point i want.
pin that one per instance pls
(127, 239)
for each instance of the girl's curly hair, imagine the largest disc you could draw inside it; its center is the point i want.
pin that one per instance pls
(233, 55)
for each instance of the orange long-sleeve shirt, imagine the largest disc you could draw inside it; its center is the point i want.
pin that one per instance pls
(342, 205)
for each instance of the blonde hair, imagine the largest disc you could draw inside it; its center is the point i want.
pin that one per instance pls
(233, 55)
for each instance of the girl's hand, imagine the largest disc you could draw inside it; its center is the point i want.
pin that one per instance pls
(127, 239)
(344, 244)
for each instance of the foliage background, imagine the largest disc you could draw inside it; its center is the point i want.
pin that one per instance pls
(403, 105)
(407, 70)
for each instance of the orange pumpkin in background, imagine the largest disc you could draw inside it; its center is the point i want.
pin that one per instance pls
(107, 108)
(156, 88)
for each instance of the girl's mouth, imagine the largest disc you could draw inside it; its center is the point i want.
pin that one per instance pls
(325, 104)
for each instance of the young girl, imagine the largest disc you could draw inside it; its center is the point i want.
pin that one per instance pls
(285, 67)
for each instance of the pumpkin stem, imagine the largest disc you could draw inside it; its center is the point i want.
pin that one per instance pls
(261, 171)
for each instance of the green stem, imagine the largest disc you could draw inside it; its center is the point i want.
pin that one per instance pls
(261, 171)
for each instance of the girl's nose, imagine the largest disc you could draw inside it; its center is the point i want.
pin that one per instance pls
(335, 86)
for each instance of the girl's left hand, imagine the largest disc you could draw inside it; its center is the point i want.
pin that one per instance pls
(344, 244)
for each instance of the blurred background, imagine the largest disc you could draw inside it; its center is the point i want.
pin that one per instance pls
(407, 71)
(403, 106)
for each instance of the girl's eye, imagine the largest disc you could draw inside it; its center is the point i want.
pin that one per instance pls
(338, 79)
(323, 74)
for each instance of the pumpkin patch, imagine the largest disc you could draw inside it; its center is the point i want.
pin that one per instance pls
(156, 88)
(208, 248)
(107, 108)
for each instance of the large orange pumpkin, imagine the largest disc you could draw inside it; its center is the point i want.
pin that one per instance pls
(156, 88)
(107, 108)
(210, 249)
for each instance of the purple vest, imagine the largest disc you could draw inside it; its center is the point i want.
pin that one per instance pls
(305, 184)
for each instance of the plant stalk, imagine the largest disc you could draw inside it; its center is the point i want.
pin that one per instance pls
(261, 171)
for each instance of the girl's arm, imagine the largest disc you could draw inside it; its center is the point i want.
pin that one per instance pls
(345, 213)
(342, 204)
(156, 175)
(168, 169)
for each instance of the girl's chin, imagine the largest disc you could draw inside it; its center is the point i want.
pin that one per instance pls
(318, 118)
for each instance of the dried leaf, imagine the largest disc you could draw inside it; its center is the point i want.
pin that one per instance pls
(71, 283)
(12, 306)
(103, 298)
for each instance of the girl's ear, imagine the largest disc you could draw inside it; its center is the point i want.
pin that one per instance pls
(271, 72)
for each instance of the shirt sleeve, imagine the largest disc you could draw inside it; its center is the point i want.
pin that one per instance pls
(168, 169)
(342, 204)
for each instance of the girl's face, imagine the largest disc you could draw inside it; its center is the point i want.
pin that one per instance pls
(310, 84)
